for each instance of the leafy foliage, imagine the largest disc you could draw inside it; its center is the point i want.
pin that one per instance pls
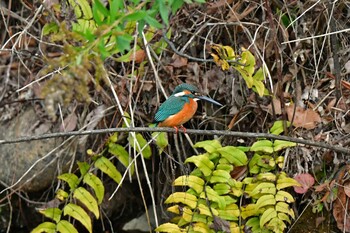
(244, 63)
(86, 189)
(212, 201)
(98, 32)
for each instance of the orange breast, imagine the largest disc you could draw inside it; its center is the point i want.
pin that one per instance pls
(181, 117)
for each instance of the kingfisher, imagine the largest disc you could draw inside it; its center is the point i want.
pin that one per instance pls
(180, 107)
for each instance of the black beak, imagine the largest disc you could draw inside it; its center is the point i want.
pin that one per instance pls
(209, 100)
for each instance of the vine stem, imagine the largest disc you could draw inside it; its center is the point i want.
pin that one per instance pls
(171, 130)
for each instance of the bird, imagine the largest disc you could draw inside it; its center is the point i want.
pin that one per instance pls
(180, 107)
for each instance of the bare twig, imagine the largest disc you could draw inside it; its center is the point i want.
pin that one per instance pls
(317, 36)
(334, 46)
(171, 130)
(174, 49)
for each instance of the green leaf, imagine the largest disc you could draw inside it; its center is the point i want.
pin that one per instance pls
(182, 197)
(233, 155)
(253, 164)
(71, 179)
(123, 42)
(263, 146)
(222, 189)
(202, 162)
(281, 144)
(249, 210)
(96, 184)
(193, 182)
(164, 11)
(114, 8)
(83, 167)
(213, 196)
(85, 8)
(284, 217)
(102, 50)
(209, 145)
(284, 182)
(61, 194)
(265, 200)
(268, 214)
(50, 28)
(177, 5)
(79, 214)
(161, 140)
(220, 176)
(47, 227)
(284, 196)
(121, 154)
(152, 21)
(231, 212)
(254, 224)
(100, 8)
(263, 188)
(247, 70)
(65, 226)
(266, 176)
(108, 168)
(144, 146)
(87, 199)
(259, 87)
(225, 167)
(267, 162)
(52, 213)
(276, 225)
(204, 209)
(285, 208)
(135, 16)
(277, 127)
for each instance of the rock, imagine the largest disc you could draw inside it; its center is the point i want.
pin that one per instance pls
(37, 160)
(141, 223)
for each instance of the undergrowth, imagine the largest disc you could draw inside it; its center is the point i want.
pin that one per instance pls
(216, 200)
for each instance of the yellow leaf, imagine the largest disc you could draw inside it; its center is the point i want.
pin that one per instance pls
(96, 184)
(87, 199)
(192, 181)
(79, 214)
(47, 227)
(169, 227)
(182, 197)
(108, 168)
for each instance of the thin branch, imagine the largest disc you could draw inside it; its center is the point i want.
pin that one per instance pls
(174, 49)
(171, 130)
(334, 48)
(317, 36)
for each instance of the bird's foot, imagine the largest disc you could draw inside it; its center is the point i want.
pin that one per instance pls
(177, 129)
(183, 128)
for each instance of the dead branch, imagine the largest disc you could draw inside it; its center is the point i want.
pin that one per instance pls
(171, 130)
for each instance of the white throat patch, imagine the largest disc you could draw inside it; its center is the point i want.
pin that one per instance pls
(182, 93)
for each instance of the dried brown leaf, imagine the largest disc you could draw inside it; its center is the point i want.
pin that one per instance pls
(69, 123)
(307, 119)
(347, 188)
(341, 210)
(276, 104)
(140, 56)
(179, 62)
(238, 172)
